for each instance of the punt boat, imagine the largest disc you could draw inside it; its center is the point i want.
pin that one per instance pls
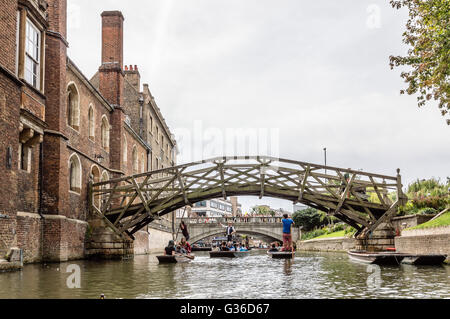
(281, 254)
(393, 258)
(228, 254)
(167, 259)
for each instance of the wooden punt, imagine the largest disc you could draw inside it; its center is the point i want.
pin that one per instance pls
(201, 248)
(393, 258)
(167, 259)
(228, 254)
(281, 254)
(379, 258)
(424, 260)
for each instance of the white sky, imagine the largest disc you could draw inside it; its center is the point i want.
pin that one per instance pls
(317, 72)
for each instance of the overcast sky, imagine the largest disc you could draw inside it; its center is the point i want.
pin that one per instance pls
(313, 74)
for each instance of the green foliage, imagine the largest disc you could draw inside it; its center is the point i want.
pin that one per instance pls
(426, 197)
(427, 33)
(443, 220)
(336, 230)
(309, 218)
(262, 210)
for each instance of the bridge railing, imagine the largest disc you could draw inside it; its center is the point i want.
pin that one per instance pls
(361, 199)
(234, 220)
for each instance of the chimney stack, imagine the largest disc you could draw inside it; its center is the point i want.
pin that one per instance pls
(111, 80)
(111, 70)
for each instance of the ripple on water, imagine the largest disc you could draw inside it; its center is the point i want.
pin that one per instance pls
(309, 275)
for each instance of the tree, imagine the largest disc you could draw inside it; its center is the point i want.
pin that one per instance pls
(428, 34)
(308, 218)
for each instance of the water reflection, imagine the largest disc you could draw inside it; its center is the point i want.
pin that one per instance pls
(309, 275)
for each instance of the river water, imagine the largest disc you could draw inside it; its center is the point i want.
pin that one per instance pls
(309, 275)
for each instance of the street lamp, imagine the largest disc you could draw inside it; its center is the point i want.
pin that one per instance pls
(325, 153)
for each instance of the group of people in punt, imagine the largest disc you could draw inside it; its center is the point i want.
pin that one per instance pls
(184, 248)
(181, 248)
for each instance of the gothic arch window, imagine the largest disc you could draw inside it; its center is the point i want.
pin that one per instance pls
(125, 150)
(142, 163)
(73, 106)
(75, 173)
(104, 178)
(95, 173)
(135, 160)
(91, 122)
(105, 133)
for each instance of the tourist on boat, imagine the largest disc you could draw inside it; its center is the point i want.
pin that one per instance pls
(274, 248)
(180, 250)
(230, 231)
(224, 247)
(184, 230)
(170, 249)
(287, 236)
(184, 244)
(241, 248)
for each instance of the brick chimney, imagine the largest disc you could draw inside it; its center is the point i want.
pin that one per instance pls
(111, 73)
(111, 80)
(133, 77)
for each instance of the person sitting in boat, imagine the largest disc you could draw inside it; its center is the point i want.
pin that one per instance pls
(180, 250)
(185, 245)
(274, 248)
(242, 248)
(170, 249)
(224, 247)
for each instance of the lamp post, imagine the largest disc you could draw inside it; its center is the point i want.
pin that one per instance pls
(325, 153)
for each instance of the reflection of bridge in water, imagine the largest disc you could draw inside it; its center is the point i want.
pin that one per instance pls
(268, 227)
(358, 198)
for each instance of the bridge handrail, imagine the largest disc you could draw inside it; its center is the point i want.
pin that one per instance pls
(257, 158)
(234, 220)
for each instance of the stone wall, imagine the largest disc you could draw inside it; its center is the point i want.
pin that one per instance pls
(434, 240)
(408, 221)
(327, 244)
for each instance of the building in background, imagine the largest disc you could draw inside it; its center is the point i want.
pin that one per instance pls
(212, 208)
(61, 131)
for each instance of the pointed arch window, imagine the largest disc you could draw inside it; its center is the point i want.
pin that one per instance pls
(135, 160)
(105, 133)
(91, 123)
(75, 173)
(125, 150)
(73, 107)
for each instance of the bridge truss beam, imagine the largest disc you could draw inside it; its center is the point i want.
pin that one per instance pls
(360, 199)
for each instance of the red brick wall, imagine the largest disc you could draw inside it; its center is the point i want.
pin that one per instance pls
(8, 21)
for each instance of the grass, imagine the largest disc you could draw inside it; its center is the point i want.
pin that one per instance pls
(340, 233)
(443, 220)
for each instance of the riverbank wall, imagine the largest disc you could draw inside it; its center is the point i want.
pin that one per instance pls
(435, 240)
(341, 244)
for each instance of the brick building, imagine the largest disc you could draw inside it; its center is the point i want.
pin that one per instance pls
(61, 130)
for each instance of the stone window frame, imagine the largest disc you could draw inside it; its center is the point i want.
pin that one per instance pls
(142, 163)
(134, 156)
(25, 18)
(91, 122)
(75, 174)
(125, 150)
(97, 201)
(24, 154)
(105, 130)
(73, 108)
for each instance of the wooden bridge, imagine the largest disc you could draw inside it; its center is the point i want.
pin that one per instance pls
(360, 199)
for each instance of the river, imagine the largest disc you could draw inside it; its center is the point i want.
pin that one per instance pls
(309, 275)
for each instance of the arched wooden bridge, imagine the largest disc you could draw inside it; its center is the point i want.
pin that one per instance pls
(358, 198)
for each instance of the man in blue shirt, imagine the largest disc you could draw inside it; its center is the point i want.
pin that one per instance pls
(287, 236)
